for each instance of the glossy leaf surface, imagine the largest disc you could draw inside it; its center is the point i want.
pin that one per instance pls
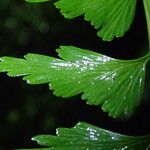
(112, 17)
(115, 85)
(88, 137)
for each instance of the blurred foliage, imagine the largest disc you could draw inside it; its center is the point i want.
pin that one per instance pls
(21, 23)
(26, 111)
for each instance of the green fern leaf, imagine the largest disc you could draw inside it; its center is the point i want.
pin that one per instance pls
(117, 85)
(112, 17)
(88, 137)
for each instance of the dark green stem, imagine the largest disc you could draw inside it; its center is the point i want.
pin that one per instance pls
(147, 13)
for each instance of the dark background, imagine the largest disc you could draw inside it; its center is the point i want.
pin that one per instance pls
(26, 110)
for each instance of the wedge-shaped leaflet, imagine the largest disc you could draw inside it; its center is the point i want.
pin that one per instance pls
(112, 17)
(117, 85)
(88, 137)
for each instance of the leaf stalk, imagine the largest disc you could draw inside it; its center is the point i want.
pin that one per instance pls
(147, 13)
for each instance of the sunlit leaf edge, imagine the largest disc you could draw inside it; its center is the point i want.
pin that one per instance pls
(84, 136)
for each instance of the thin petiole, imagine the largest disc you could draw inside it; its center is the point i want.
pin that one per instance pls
(147, 13)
